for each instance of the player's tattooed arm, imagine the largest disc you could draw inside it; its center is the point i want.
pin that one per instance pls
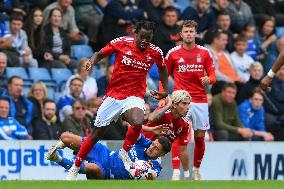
(158, 114)
(97, 56)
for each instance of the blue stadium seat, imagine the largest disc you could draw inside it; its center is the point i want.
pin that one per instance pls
(60, 75)
(41, 74)
(97, 73)
(51, 92)
(19, 71)
(80, 51)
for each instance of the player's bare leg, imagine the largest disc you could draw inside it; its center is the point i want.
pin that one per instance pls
(134, 117)
(86, 147)
(199, 149)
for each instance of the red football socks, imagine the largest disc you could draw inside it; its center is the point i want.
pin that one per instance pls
(199, 149)
(131, 137)
(176, 154)
(85, 148)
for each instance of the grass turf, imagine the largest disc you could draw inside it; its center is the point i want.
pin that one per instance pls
(111, 184)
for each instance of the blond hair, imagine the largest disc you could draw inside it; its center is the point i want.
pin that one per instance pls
(180, 95)
(42, 85)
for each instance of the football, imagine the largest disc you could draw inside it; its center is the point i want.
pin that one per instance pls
(140, 169)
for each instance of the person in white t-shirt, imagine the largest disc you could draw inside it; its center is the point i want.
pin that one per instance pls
(90, 88)
(240, 59)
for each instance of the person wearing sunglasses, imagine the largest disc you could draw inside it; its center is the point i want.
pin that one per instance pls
(78, 122)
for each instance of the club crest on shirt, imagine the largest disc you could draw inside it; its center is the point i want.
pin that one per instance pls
(198, 58)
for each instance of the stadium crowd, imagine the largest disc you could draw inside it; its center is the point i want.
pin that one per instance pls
(45, 89)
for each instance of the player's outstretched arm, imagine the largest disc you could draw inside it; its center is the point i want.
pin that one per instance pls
(266, 81)
(97, 56)
(163, 76)
(156, 115)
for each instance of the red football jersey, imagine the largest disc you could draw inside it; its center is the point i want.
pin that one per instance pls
(130, 67)
(178, 128)
(187, 67)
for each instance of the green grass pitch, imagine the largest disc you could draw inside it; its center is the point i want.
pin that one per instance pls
(111, 184)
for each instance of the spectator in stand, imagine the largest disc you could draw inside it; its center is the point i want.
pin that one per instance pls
(167, 33)
(256, 73)
(66, 101)
(104, 81)
(9, 126)
(202, 15)
(154, 9)
(241, 61)
(272, 56)
(274, 120)
(265, 35)
(224, 67)
(223, 22)
(9, 7)
(68, 21)
(37, 95)
(90, 88)
(34, 28)
(20, 41)
(219, 6)
(117, 20)
(226, 119)
(56, 52)
(3, 65)
(240, 14)
(89, 17)
(46, 126)
(6, 44)
(93, 106)
(251, 114)
(253, 49)
(78, 122)
(20, 107)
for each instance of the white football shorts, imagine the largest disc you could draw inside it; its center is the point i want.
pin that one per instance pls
(111, 109)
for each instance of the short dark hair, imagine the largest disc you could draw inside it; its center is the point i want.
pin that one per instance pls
(241, 37)
(16, 16)
(10, 80)
(48, 101)
(229, 85)
(189, 24)
(75, 78)
(217, 33)
(81, 101)
(5, 99)
(223, 12)
(166, 144)
(256, 90)
(170, 9)
(147, 25)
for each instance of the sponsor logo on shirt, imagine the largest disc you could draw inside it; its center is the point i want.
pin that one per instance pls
(135, 63)
(190, 68)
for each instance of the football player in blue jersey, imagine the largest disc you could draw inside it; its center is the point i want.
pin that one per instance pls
(103, 163)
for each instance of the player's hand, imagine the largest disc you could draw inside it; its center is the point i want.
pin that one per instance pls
(162, 103)
(158, 95)
(89, 64)
(149, 176)
(205, 80)
(268, 137)
(266, 83)
(157, 130)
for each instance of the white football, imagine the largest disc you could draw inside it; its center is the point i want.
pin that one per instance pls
(140, 169)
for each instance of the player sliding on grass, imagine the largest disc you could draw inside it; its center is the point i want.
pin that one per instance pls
(126, 90)
(102, 163)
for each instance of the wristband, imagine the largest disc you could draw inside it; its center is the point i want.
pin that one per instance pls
(271, 74)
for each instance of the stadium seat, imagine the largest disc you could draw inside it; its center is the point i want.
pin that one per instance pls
(60, 75)
(51, 92)
(19, 71)
(80, 51)
(41, 74)
(97, 73)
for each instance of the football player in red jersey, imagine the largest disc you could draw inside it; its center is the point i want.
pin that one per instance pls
(126, 90)
(171, 116)
(188, 63)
